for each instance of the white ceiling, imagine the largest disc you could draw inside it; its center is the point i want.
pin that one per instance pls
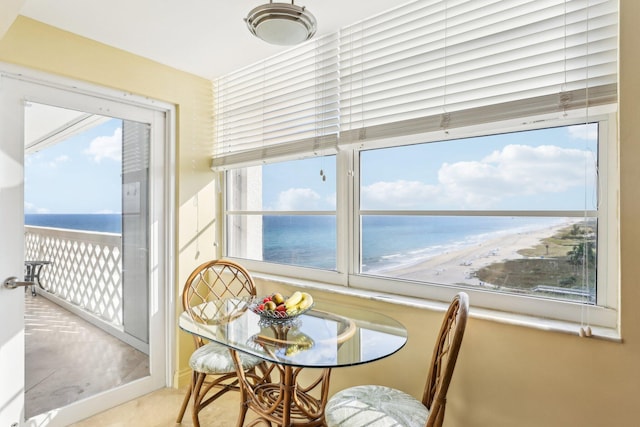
(205, 37)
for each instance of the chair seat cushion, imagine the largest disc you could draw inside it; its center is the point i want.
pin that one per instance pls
(374, 406)
(214, 358)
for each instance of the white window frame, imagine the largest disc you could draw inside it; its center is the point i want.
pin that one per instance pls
(604, 314)
(348, 238)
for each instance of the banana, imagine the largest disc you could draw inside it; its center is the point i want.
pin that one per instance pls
(305, 302)
(293, 300)
(302, 343)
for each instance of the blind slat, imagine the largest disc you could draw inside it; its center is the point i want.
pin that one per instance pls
(505, 52)
(398, 72)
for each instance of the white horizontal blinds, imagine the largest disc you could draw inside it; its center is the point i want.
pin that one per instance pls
(280, 107)
(413, 70)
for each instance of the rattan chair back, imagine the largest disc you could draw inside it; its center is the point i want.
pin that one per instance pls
(444, 359)
(214, 280)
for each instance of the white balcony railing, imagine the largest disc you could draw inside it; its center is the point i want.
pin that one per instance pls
(85, 269)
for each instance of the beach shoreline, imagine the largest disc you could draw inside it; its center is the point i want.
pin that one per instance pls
(459, 265)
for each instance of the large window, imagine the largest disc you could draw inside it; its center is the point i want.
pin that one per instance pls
(468, 147)
(511, 213)
(514, 212)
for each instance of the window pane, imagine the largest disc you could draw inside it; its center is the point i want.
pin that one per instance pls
(300, 185)
(308, 241)
(300, 240)
(297, 191)
(546, 169)
(536, 256)
(537, 171)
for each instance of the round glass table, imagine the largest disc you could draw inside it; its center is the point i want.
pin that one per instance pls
(328, 336)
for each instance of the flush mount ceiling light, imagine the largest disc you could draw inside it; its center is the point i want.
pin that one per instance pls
(281, 23)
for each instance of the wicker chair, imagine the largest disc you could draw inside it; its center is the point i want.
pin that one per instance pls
(212, 364)
(374, 405)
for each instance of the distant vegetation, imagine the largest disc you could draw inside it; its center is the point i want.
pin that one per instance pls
(556, 267)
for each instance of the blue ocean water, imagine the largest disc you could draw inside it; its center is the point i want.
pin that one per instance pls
(390, 242)
(310, 241)
(108, 223)
(387, 241)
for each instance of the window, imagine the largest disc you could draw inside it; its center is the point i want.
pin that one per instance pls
(447, 126)
(284, 213)
(517, 213)
(514, 212)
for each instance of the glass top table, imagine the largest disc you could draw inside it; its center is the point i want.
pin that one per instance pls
(328, 336)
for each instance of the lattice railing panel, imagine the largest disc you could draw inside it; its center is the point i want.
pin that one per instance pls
(86, 268)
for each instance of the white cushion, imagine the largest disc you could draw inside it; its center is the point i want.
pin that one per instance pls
(374, 406)
(215, 358)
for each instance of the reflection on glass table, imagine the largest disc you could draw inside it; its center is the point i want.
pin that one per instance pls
(328, 336)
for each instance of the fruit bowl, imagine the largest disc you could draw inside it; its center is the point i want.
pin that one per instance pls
(272, 314)
(278, 307)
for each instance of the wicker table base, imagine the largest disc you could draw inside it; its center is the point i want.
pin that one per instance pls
(286, 402)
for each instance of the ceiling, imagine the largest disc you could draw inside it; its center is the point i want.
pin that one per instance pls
(208, 38)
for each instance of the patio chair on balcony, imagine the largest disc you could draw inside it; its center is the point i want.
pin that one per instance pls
(368, 405)
(32, 274)
(213, 369)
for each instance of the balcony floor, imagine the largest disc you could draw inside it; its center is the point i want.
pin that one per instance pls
(68, 359)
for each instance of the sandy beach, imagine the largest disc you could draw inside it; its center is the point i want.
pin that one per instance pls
(459, 266)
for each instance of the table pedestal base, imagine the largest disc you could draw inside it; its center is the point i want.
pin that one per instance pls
(286, 403)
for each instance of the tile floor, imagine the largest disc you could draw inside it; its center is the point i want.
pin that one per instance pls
(160, 408)
(68, 359)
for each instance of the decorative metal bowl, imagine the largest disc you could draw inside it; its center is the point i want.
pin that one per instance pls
(274, 314)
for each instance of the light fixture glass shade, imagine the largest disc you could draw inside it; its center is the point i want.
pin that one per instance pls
(281, 23)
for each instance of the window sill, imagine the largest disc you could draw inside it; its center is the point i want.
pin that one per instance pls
(539, 323)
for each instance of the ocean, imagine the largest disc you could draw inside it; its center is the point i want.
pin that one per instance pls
(310, 241)
(387, 241)
(108, 223)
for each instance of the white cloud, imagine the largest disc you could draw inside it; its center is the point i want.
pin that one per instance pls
(32, 208)
(330, 201)
(588, 132)
(29, 207)
(59, 160)
(106, 147)
(397, 194)
(295, 199)
(517, 170)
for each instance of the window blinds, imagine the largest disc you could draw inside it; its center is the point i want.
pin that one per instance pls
(442, 64)
(424, 66)
(285, 106)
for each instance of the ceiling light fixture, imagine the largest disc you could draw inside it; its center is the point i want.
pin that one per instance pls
(281, 23)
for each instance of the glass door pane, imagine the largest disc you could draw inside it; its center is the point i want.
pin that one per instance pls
(86, 212)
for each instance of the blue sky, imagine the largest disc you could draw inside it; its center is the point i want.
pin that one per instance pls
(531, 170)
(79, 175)
(525, 170)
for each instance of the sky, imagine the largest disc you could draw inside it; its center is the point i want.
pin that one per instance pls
(532, 170)
(549, 169)
(79, 175)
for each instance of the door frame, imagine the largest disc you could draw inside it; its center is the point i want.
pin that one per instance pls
(162, 256)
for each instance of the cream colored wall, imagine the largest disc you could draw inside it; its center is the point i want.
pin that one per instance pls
(35, 45)
(506, 375)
